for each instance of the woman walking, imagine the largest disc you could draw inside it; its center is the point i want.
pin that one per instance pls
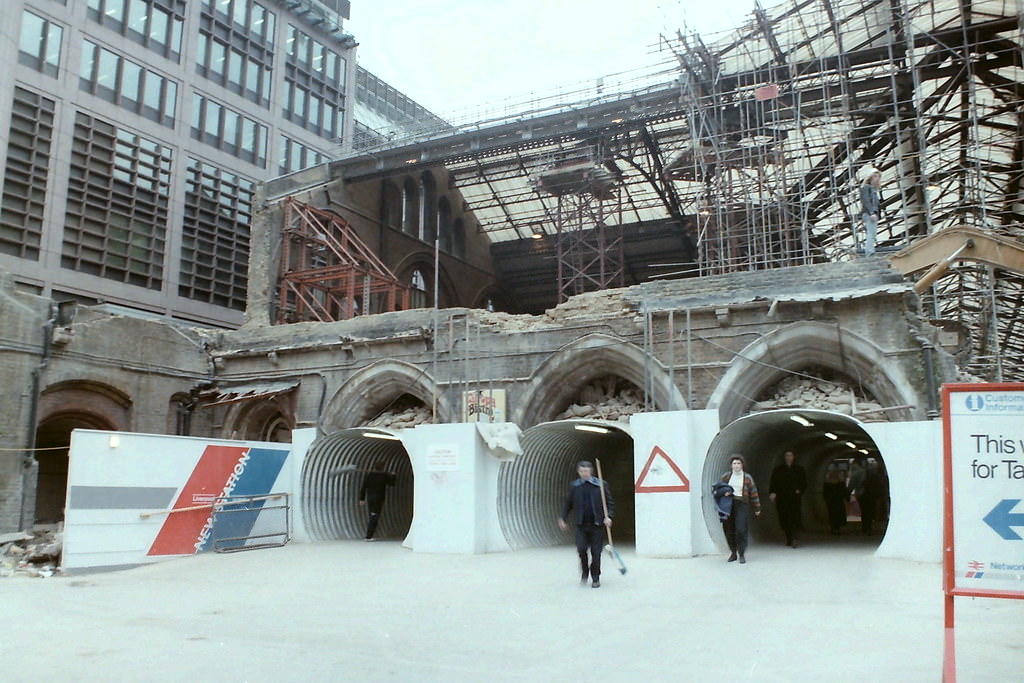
(743, 496)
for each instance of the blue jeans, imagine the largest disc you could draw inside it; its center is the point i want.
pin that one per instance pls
(870, 233)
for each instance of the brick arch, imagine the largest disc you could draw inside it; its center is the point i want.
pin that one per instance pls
(767, 360)
(562, 375)
(371, 389)
(261, 420)
(99, 405)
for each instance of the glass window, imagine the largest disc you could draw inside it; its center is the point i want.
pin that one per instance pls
(138, 16)
(258, 18)
(197, 110)
(176, 28)
(293, 36)
(203, 49)
(249, 135)
(268, 26)
(218, 55)
(171, 99)
(31, 33)
(106, 74)
(314, 110)
(235, 67)
(131, 75)
(158, 23)
(230, 127)
(88, 60)
(239, 11)
(212, 121)
(114, 11)
(53, 38)
(152, 96)
(252, 77)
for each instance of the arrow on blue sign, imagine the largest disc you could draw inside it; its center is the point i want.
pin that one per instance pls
(1002, 517)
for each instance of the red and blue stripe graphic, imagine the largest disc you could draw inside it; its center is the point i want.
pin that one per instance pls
(221, 471)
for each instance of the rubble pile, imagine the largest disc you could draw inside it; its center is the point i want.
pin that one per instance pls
(609, 398)
(35, 554)
(398, 418)
(836, 395)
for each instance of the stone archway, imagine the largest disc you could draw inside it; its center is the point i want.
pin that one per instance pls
(561, 377)
(371, 389)
(64, 407)
(262, 420)
(803, 344)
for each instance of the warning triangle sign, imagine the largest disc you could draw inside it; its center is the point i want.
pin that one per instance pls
(661, 475)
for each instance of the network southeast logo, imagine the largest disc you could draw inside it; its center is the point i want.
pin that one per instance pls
(975, 569)
(997, 402)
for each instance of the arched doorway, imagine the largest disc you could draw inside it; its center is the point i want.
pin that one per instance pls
(818, 439)
(64, 407)
(332, 476)
(53, 440)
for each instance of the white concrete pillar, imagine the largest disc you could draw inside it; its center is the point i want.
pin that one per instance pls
(455, 490)
(668, 459)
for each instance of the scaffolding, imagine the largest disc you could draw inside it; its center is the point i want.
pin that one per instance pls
(327, 273)
(787, 114)
(754, 143)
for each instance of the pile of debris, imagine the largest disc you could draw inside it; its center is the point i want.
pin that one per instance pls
(833, 395)
(35, 554)
(398, 418)
(609, 398)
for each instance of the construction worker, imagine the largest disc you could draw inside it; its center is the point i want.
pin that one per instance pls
(870, 203)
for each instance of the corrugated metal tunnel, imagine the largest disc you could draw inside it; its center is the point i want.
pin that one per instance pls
(532, 488)
(330, 500)
(816, 437)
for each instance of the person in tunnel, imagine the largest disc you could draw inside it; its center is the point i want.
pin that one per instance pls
(835, 493)
(786, 488)
(373, 492)
(869, 495)
(591, 517)
(744, 496)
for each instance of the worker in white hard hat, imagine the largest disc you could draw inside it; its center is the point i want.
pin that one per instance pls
(870, 202)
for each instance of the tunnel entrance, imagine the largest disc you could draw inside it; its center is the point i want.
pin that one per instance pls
(532, 488)
(332, 475)
(818, 439)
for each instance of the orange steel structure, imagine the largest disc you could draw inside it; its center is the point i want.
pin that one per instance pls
(328, 273)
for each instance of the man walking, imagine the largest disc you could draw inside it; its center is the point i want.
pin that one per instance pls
(584, 497)
(372, 494)
(789, 481)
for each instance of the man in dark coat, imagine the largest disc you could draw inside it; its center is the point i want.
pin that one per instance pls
(789, 481)
(372, 494)
(584, 498)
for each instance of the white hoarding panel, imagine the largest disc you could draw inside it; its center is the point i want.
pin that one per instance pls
(137, 498)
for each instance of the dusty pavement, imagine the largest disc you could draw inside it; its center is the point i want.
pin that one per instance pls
(354, 611)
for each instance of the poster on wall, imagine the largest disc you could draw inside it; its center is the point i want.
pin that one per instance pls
(486, 405)
(983, 427)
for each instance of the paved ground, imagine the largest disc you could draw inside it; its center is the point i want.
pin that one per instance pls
(354, 611)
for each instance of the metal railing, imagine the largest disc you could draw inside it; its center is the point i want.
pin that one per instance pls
(238, 521)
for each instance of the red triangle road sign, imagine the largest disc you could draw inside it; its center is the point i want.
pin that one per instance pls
(677, 483)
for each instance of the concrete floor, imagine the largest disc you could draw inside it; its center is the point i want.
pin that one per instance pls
(354, 611)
